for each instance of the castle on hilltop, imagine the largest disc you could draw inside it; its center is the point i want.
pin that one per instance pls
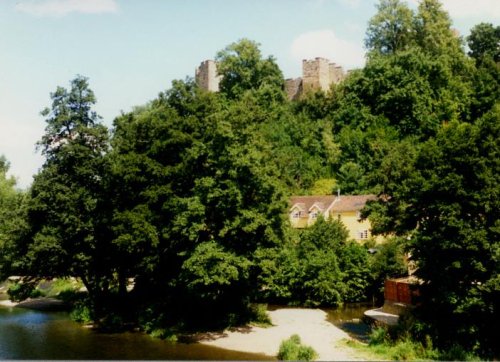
(317, 74)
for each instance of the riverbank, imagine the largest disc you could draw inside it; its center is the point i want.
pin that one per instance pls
(310, 324)
(42, 304)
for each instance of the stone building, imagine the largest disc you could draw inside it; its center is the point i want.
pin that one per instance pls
(206, 76)
(317, 74)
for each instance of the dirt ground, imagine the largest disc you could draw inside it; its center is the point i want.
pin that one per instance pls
(310, 324)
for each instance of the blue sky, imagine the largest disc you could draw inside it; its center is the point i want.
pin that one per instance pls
(132, 49)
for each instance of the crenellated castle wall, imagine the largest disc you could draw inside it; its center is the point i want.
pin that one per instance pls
(317, 74)
(206, 76)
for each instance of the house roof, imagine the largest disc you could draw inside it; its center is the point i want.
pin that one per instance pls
(331, 202)
(300, 205)
(352, 202)
(307, 202)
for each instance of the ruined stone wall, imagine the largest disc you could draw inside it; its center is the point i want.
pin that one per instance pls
(315, 74)
(206, 76)
(293, 88)
(336, 73)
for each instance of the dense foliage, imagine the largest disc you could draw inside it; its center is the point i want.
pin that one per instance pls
(178, 211)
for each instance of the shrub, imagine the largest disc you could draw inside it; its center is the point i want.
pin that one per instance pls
(378, 335)
(21, 291)
(292, 350)
(81, 313)
(259, 315)
(164, 333)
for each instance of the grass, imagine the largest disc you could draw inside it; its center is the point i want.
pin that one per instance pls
(59, 287)
(382, 347)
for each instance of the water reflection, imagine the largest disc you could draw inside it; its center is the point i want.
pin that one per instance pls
(26, 334)
(350, 319)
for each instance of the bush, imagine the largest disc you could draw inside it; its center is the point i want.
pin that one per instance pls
(82, 313)
(378, 335)
(21, 291)
(292, 350)
(164, 333)
(259, 315)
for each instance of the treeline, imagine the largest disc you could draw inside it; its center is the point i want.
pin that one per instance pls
(188, 194)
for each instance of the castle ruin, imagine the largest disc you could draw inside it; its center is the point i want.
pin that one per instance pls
(206, 76)
(317, 74)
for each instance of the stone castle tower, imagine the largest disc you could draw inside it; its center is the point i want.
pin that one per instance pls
(317, 74)
(206, 76)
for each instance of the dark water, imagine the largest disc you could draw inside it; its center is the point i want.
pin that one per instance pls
(27, 334)
(350, 319)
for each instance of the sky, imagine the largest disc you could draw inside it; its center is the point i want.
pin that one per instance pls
(132, 49)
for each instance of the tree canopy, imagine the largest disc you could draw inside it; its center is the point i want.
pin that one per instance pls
(187, 194)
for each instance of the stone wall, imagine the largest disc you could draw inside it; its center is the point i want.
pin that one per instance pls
(206, 76)
(293, 88)
(317, 74)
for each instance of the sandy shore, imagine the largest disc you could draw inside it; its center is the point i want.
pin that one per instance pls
(37, 304)
(310, 324)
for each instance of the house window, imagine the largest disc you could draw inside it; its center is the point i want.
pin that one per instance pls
(339, 217)
(296, 215)
(314, 215)
(363, 234)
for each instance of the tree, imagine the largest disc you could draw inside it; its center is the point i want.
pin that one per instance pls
(204, 192)
(484, 41)
(434, 33)
(447, 205)
(67, 207)
(391, 29)
(317, 266)
(242, 68)
(12, 220)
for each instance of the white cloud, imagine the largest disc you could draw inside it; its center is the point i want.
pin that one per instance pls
(64, 7)
(476, 8)
(324, 43)
(463, 9)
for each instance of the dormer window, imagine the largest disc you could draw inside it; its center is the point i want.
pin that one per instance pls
(296, 214)
(314, 215)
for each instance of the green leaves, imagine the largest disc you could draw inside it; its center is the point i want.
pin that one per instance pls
(210, 271)
(448, 207)
(242, 68)
(391, 29)
(483, 42)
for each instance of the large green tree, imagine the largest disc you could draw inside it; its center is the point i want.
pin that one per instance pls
(242, 68)
(445, 201)
(434, 32)
(391, 29)
(484, 41)
(204, 193)
(67, 208)
(12, 221)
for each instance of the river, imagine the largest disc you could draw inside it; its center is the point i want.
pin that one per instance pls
(29, 334)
